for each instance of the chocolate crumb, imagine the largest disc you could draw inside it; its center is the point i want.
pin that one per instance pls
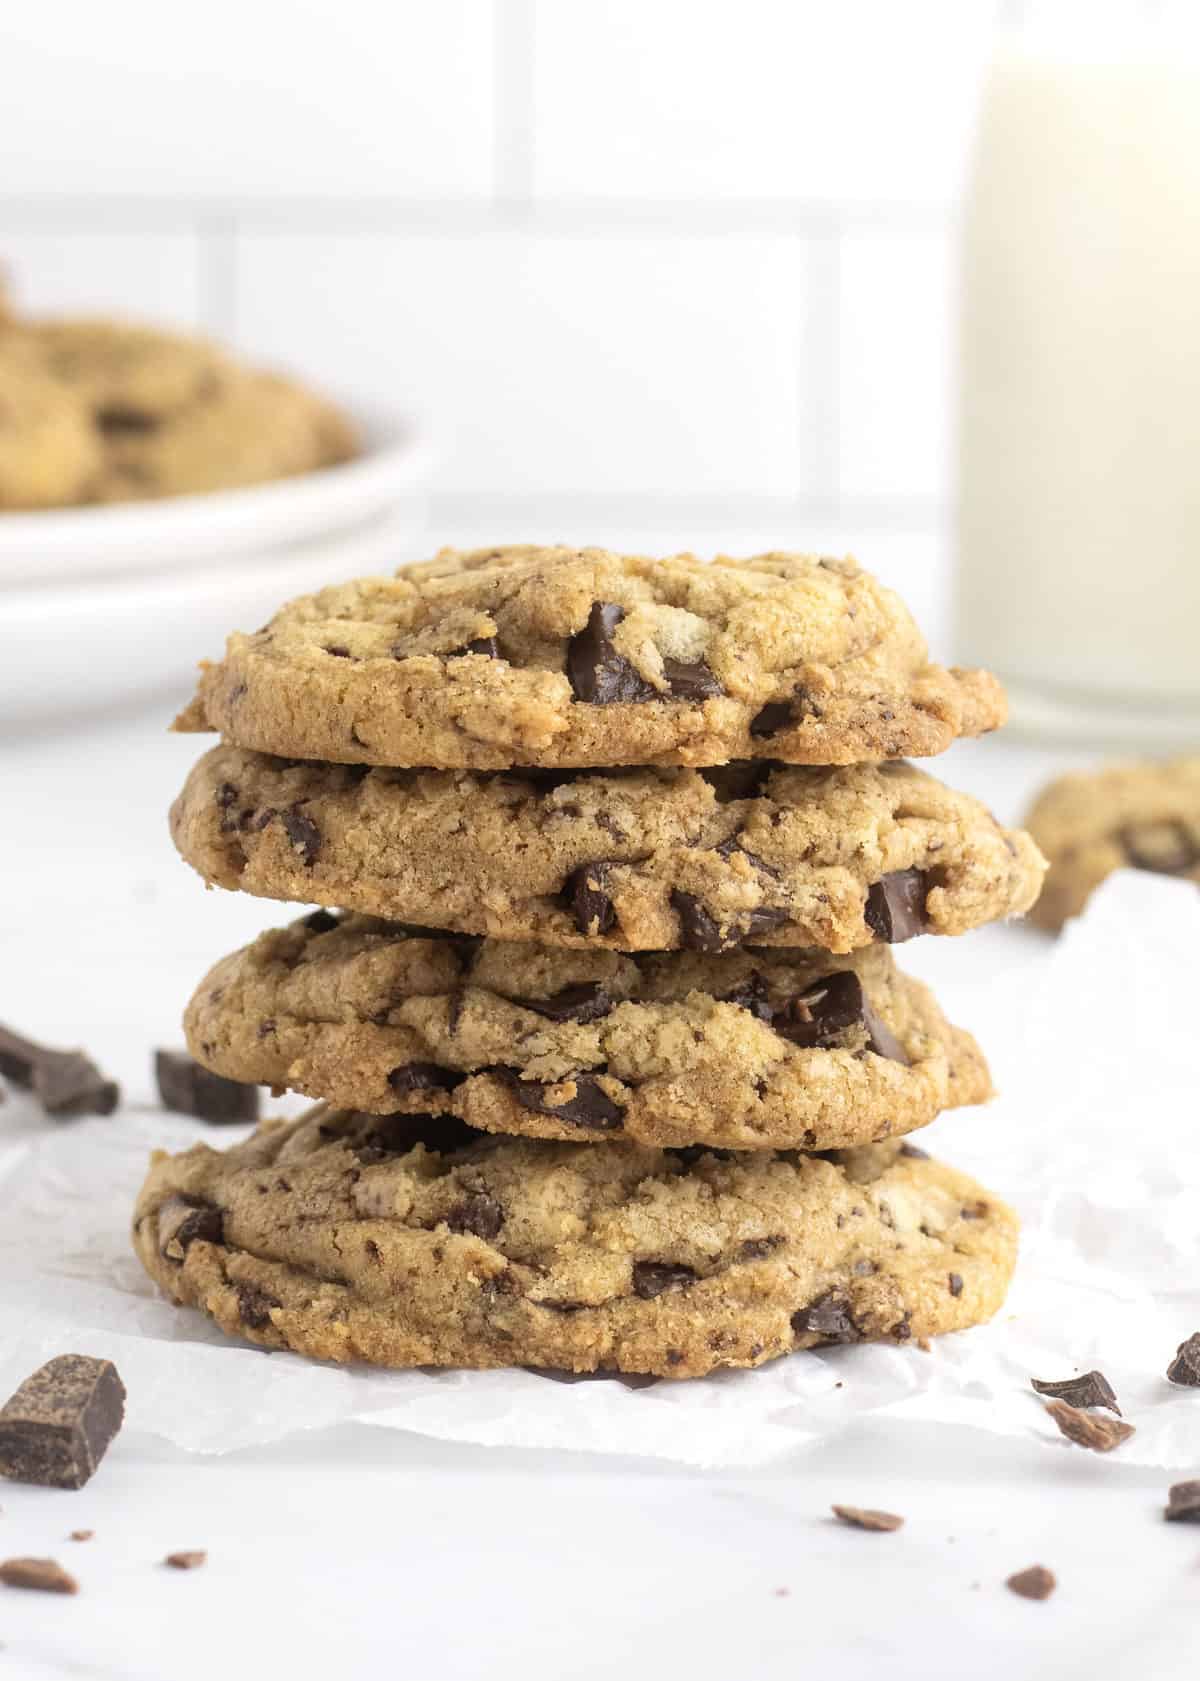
(863, 1517)
(44, 1574)
(1183, 1503)
(1185, 1367)
(1091, 1390)
(1089, 1430)
(1035, 1583)
(187, 1560)
(81, 1535)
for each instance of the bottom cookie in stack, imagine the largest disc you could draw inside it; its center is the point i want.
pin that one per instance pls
(405, 1240)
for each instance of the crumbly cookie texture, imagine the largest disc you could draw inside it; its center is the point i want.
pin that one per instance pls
(407, 1241)
(647, 860)
(1131, 816)
(578, 657)
(104, 411)
(750, 1050)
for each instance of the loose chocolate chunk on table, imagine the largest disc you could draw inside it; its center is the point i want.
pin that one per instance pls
(190, 1089)
(863, 1517)
(57, 1427)
(187, 1560)
(1183, 1503)
(1091, 1390)
(45, 1575)
(1035, 1583)
(1185, 1367)
(1090, 1430)
(65, 1083)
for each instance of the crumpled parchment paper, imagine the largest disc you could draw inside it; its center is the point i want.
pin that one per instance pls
(1095, 1139)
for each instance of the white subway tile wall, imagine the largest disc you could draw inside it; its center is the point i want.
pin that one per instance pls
(673, 267)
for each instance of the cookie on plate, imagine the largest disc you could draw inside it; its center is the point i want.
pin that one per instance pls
(49, 452)
(1132, 816)
(129, 378)
(648, 860)
(407, 1241)
(578, 657)
(748, 1051)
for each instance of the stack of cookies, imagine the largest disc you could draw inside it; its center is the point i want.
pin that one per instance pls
(616, 1068)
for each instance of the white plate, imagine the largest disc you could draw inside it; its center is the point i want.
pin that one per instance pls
(47, 548)
(101, 607)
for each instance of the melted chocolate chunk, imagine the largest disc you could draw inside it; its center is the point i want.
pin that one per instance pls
(1185, 1367)
(590, 1108)
(189, 1089)
(320, 922)
(1183, 1503)
(1166, 849)
(597, 673)
(828, 1317)
(184, 1220)
(779, 715)
(121, 421)
(585, 892)
(588, 1001)
(254, 1306)
(56, 1428)
(701, 931)
(691, 682)
(338, 652)
(478, 1213)
(375, 1137)
(822, 1014)
(955, 1283)
(423, 1076)
(741, 779)
(751, 994)
(485, 645)
(1091, 1390)
(895, 908)
(651, 1278)
(303, 834)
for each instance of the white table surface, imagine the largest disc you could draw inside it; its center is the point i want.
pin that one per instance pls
(349, 1549)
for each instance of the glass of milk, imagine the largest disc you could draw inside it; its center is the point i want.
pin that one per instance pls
(1079, 436)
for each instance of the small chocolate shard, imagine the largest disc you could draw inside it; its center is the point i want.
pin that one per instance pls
(187, 1560)
(57, 1427)
(303, 834)
(586, 1002)
(590, 1107)
(895, 908)
(820, 1016)
(1185, 1367)
(45, 1575)
(1183, 1503)
(597, 673)
(1089, 1430)
(697, 681)
(1166, 849)
(1035, 1583)
(865, 1517)
(829, 1318)
(700, 930)
(477, 1213)
(1091, 1390)
(184, 1220)
(651, 1278)
(586, 894)
(65, 1083)
(423, 1076)
(189, 1089)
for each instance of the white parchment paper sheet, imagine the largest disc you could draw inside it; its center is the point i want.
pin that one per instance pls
(1096, 1140)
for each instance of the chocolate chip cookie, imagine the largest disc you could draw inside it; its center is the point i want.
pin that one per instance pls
(49, 453)
(411, 1241)
(1135, 816)
(751, 1050)
(579, 657)
(650, 860)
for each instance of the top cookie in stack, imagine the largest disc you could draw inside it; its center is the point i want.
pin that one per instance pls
(641, 816)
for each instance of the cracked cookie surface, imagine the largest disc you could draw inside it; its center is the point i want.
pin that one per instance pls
(749, 1050)
(580, 657)
(405, 1241)
(1125, 816)
(649, 860)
